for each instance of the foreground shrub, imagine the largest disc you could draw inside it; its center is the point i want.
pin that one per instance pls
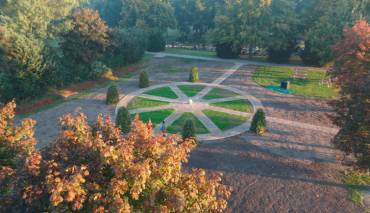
(123, 120)
(97, 169)
(194, 75)
(258, 125)
(112, 95)
(188, 131)
(143, 80)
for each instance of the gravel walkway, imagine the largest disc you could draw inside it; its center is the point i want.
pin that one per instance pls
(290, 169)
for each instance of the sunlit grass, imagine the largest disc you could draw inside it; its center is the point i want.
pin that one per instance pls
(178, 125)
(139, 102)
(224, 121)
(164, 92)
(310, 86)
(191, 90)
(238, 105)
(355, 182)
(216, 93)
(156, 117)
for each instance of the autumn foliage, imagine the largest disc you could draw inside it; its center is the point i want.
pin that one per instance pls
(352, 74)
(98, 169)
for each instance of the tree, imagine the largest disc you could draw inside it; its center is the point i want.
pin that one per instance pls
(152, 16)
(138, 173)
(324, 28)
(110, 11)
(188, 131)
(194, 19)
(237, 24)
(280, 30)
(28, 28)
(351, 73)
(123, 120)
(194, 75)
(143, 80)
(258, 124)
(84, 44)
(127, 46)
(19, 160)
(112, 95)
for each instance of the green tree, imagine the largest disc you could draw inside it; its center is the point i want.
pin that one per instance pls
(152, 16)
(123, 120)
(194, 19)
(280, 29)
(112, 95)
(188, 131)
(110, 11)
(324, 21)
(258, 124)
(237, 24)
(127, 46)
(143, 80)
(84, 44)
(28, 28)
(194, 75)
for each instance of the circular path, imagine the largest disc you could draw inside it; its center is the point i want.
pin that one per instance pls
(197, 105)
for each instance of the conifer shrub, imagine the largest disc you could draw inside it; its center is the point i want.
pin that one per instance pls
(112, 95)
(188, 131)
(123, 120)
(194, 75)
(258, 125)
(143, 80)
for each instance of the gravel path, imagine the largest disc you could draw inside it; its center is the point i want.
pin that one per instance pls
(290, 169)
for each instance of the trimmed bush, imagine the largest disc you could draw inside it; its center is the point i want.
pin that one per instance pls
(189, 130)
(123, 120)
(194, 75)
(258, 125)
(143, 80)
(112, 95)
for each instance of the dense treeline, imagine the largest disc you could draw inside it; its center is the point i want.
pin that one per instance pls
(281, 27)
(54, 43)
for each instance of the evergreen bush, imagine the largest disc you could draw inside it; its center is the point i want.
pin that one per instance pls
(194, 75)
(123, 120)
(258, 125)
(189, 130)
(143, 80)
(112, 95)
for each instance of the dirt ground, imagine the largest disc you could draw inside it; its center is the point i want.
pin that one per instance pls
(290, 169)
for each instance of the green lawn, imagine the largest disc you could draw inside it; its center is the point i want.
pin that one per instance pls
(201, 53)
(178, 125)
(224, 121)
(238, 105)
(155, 116)
(216, 93)
(139, 102)
(191, 90)
(165, 92)
(309, 87)
(355, 181)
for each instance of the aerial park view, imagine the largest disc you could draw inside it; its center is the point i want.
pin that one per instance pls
(185, 106)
